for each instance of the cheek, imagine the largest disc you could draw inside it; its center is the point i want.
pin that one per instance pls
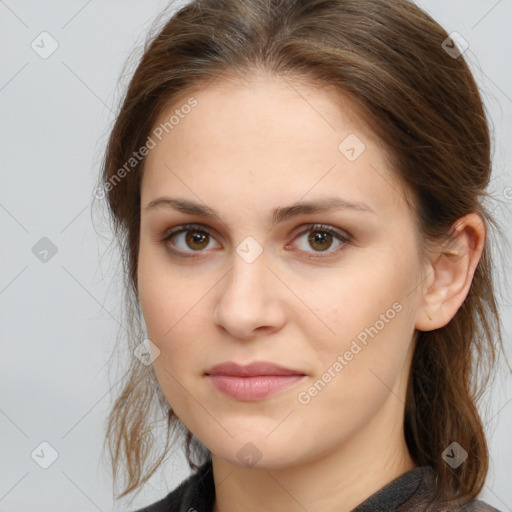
(371, 312)
(361, 367)
(164, 297)
(173, 307)
(352, 302)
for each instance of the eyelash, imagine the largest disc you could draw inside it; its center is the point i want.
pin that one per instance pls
(344, 238)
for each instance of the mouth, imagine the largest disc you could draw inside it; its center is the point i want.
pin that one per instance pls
(252, 382)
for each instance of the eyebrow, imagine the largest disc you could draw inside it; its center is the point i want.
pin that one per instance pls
(279, 214)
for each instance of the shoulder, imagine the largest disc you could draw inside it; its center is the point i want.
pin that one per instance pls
(196, 492)
(478, 506)
(423, 501)
(171, 502)
(471, 506)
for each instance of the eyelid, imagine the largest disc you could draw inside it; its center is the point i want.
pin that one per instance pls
(342, 236)
(183, 228)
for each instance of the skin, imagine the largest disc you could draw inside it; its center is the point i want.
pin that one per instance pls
(246, 149)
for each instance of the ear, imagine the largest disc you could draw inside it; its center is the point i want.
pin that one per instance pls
(450, 273)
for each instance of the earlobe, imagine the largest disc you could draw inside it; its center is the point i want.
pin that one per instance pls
(451, 274)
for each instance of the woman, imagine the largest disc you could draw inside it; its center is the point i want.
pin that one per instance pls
(298, 190)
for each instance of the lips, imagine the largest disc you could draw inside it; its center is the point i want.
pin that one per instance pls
(252, 382)
(251, 370)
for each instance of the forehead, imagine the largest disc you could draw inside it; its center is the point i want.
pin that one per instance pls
(265, 110)
(268, 138)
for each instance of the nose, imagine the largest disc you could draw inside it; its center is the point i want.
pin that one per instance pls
(249, 302)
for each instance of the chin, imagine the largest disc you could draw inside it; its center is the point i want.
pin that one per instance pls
(257, 452)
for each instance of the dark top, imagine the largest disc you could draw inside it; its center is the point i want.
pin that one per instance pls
(409, 492)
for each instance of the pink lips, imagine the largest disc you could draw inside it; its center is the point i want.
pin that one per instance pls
(252, 382)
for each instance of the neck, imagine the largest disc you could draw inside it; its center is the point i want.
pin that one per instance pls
(335, 482)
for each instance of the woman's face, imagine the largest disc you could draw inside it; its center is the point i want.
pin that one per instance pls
(259, 281)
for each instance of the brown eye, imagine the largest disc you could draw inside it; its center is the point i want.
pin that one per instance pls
(192, 240)
(196, 240)
(321, 239)
(188, 239)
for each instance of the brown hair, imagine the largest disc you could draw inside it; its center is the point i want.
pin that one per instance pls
(422, 102)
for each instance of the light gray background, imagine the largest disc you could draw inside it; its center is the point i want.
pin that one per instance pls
(60, 317)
